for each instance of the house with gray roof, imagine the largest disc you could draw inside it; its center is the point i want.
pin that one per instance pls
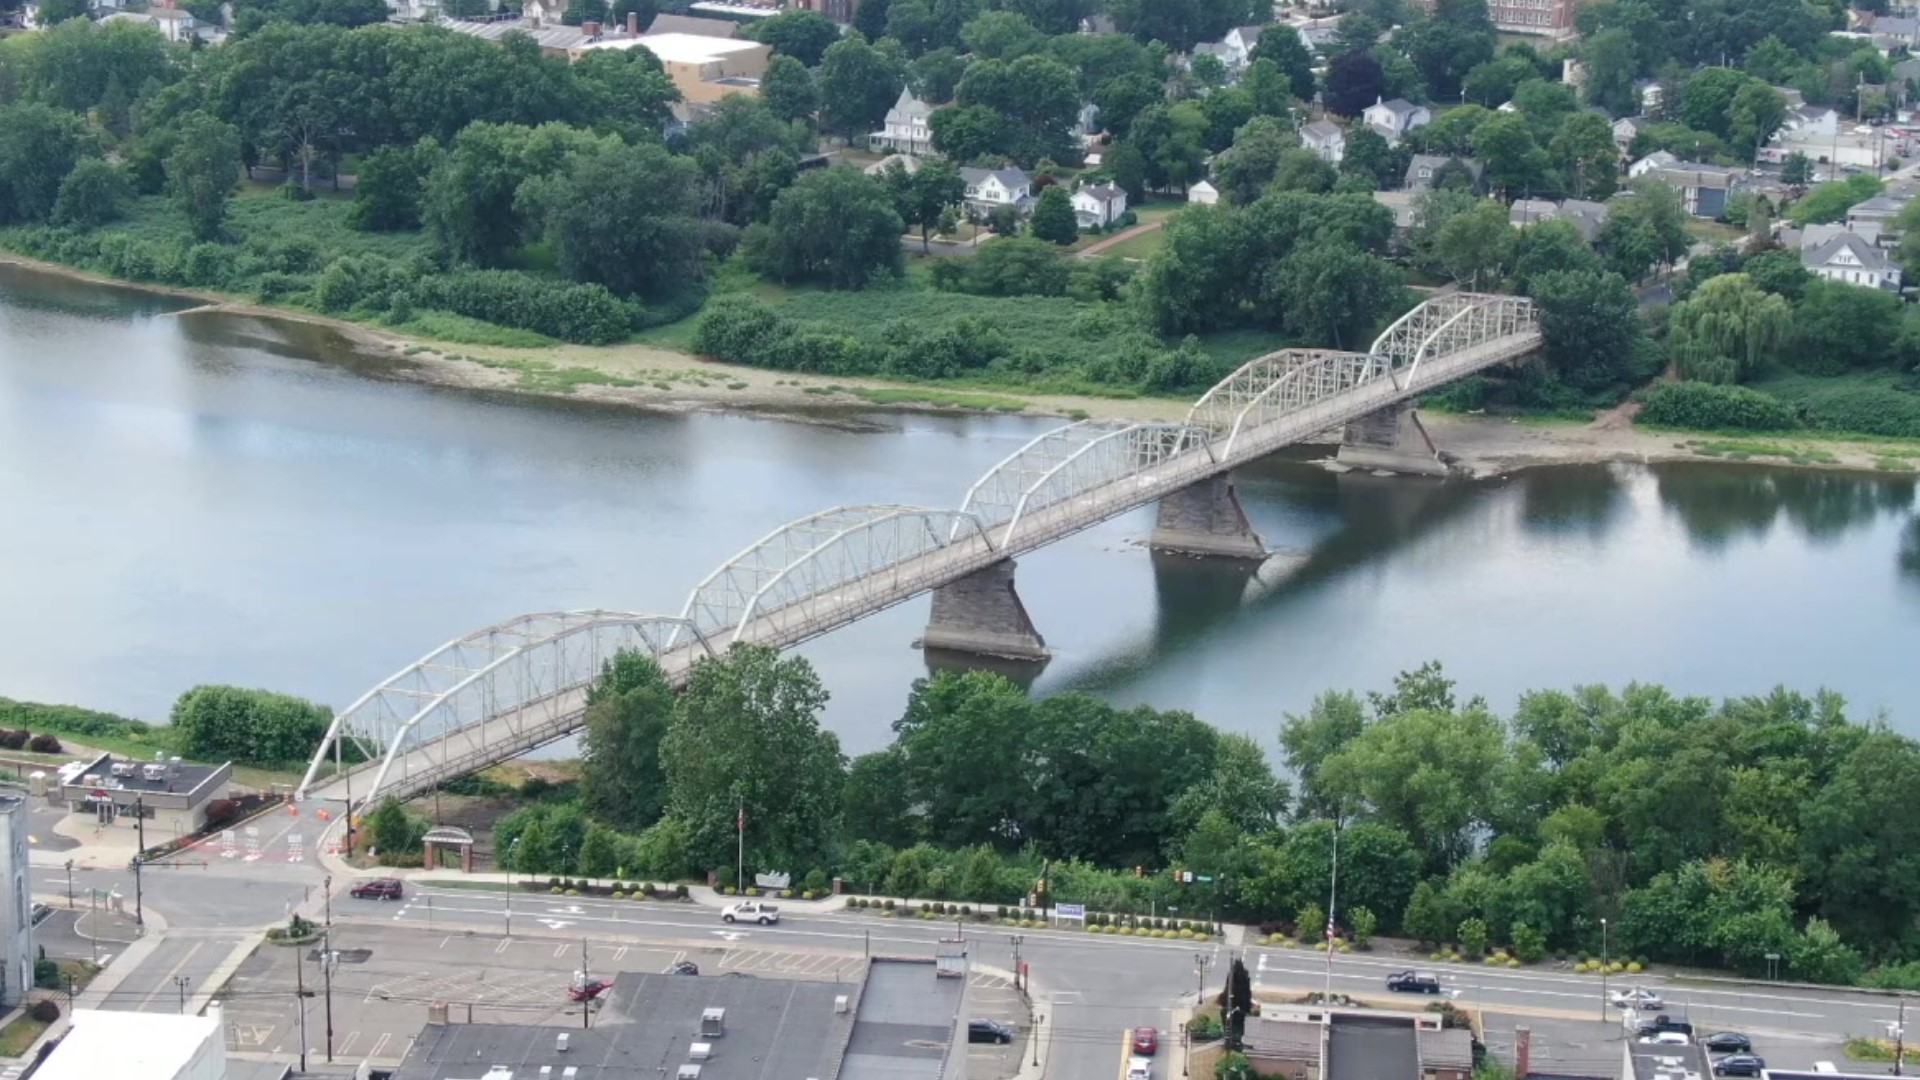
(1422, 169)
(1325, 138)
(906, 129)
(691, 24)
(1853, 260)
(1586, 217)
(990, 189)
(1874, 219)
(1395, 118)
(1703, 188)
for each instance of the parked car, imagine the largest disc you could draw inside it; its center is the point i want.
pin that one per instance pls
(1637, 998)
(40, 913)
(1728, 1042)
(1146, 1041)
(988, 1031)
(1739, 1065)
(1667, 1038)
(752, 911)
(386, 888)
(1414, 982)
(1661, 1023)
(684, 967)
(1140, 1068)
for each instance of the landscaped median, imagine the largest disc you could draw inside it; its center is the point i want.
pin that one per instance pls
(1092, 922)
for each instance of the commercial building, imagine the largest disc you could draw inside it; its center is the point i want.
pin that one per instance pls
(16, 913)
(903, 1020)
(1665, 1061)
(705, 69)
(1549, 18)
(171, 797)
(151, 1046)
(1356, 1044)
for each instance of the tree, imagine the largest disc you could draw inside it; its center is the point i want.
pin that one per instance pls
(1281, 44)
(1830, 202)
(1492, 84)
(469, 206)
(788, 89)
(934, 75)
(251, 727)
(391, 185)
(1858, 853)
(1037, 98)
(624, 91)
(1268, 91)
(876, 804)
(1591, 323)
(1244, 171)
(1002, 35)
(599, 855)
(954, 735)
(745, 741)
(1430, 772)
(1053, 217)
(1842, 327)
(39, 146)
(1306, 742)
(858, 84)
(1584, 151)
(834, 225)
(1357, 32)
(624, 217)
(1458, 37)
(1726, 329)
(1477, 246)
(924, 197)
(1756, 113)
(1333, 295)
(1173, 141)
(1120, 99)
(1513, 161)
(1654, 211)
(1241, 787)
(1378, 866)
(628, 714)
(803, 35)
(1612, 66)
(1354, 82)
(1301, 169)
(1427, 917)
(967, 133)
(1796, 170)
(389, 829)
(1181, 24)
(93, 194)
(1368, 156)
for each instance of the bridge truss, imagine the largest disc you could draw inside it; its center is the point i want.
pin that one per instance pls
(498, 692)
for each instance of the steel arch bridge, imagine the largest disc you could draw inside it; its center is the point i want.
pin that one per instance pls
(501, 691)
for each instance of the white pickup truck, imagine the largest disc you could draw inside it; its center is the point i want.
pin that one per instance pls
(751, 911)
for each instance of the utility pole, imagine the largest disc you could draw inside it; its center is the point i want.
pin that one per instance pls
(1200, 963)
(1017, 938)
(346, 777)
(327, 887)
(69, 884)
(300, 1002)
(139, 858)
(1333, 892)
(1900, 1037)
(180, 981)
(1603, 971)
(326, 975)
(586, 1003)
(740, 849)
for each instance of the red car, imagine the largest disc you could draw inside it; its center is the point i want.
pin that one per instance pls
(1145, 1041)
(587, 990)
(378, 889)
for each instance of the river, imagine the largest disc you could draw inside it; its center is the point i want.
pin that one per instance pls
(217, 498)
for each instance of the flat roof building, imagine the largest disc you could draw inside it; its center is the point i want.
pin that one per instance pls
(705, 69)
(171, 795)
(151, 1046)
(16, 911)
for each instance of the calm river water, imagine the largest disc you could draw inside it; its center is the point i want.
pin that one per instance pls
(220, 499)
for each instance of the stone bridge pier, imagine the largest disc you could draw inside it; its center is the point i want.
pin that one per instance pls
(1206, 519)
(982, 614)
(1392, 439)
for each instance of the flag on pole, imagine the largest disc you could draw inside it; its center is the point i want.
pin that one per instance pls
(741, 822)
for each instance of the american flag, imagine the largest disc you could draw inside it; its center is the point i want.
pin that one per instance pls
(740, 823)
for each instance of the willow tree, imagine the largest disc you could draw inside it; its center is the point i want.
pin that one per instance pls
(1728, 327)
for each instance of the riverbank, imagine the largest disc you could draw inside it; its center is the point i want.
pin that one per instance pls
(644, 376)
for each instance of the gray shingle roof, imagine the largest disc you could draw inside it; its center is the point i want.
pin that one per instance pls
(1010, 178)
(1321, 131)
(1819, 255)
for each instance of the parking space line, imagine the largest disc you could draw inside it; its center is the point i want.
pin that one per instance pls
(380, 1044)
(346, 1044)
(502, 947)
(561, 949)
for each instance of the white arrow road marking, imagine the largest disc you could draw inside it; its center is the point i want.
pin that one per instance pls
(731, 935)
(554, 924)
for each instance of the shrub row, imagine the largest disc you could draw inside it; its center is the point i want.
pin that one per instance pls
(22, 739)
(587, 314)
(1714, 407)
(1887, 406)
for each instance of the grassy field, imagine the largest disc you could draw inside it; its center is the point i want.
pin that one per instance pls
(17, 1036)
(1139, 247)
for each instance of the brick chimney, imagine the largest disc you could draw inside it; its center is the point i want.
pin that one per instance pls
(591, 29)
(1522, 1052)
(633, 24)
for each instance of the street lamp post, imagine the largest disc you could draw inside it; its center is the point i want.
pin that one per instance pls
(1603, 971)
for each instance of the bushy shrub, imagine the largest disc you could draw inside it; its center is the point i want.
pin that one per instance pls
(44, 1011)
(44, 744)
(587, 314)
(1711, 407)
(353, 281)
(13, 740)
(46, 974)
(1887, 405)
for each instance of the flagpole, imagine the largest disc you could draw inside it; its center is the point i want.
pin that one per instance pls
(740, 849)
(1333, 885)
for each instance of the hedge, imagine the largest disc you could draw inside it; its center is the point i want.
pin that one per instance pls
(1713, 407)
(587, 314)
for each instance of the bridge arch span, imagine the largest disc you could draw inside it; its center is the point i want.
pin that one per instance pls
(1069, 462)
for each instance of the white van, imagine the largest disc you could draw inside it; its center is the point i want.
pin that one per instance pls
(1140, 1068)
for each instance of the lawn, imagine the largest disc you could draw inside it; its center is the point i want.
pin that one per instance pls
(16, 1037)
(1139, 247)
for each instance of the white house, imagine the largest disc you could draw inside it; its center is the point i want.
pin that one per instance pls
(1852, 259)
(1395, 118)
(1874, 219)
(174, 24)
(1422, 168)
(1203, 194)
(905, 130)
(1086, 123)
(1814, 120)
(1628, 128)
(1659, 159)
(1326, 139)
(990, 189)
(1239, 44)
(1099, 205)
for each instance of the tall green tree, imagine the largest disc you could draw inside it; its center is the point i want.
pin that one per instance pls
(1476, 247)
(622, 216)
(924, 197)
(1053, 217)
(94, 193)
(787, 88)
(628, 714)
(202, 171)
(1282, 45)
(1728, 327)
(803, 35)
(858, 84)
(39, 146)
(1591, 323)
(837, 226)
(746, 741)
(250, 727)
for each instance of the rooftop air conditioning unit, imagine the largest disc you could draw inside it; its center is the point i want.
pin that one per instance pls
(153, 772)
(91, 779)
(840, 1005)
(123, 768)
(689, 1072)
(546, 1070)
(560, 1043)
(570, 1072)
(713, 1023)
(700, 1051)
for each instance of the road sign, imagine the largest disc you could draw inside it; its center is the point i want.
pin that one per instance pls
(1206, 879)
(1076, 912)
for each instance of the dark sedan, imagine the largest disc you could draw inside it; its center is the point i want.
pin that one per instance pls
(1739, 1065)
(1728, 1042)
(988, 1031)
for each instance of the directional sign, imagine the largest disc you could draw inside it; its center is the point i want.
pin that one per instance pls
(1076, 912)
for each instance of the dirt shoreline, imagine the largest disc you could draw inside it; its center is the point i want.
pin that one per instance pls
(662, 380)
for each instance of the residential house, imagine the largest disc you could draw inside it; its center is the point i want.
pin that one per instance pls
(1891, 32)
(1703, 188)
(1873, 220)
(1423, 167)
(1854, 260)
(840, 11)
(1659, 159)
(1404, 207)
(174, 24)
(1813, 120)
(1793, 98)
(1318, 39)
(1239, 43)
(1099, 205)
(1395, 118)
(30, 15)
(1324, 138)
(1086, 124)
(1203, 194)
(1628, 128)
(1649, 93)
(1586, 217)
(905, 130)
(1219, 50)
(990, 189)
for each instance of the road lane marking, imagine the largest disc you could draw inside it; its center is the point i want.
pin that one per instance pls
(166, 981)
